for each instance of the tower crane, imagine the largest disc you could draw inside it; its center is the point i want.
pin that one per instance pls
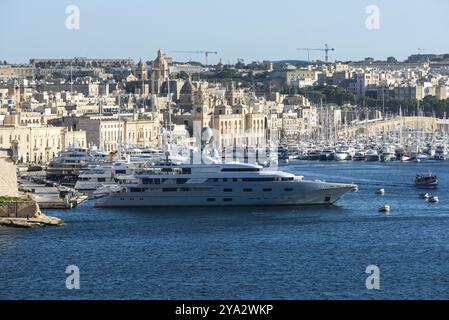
(326, 50)
(205, 52)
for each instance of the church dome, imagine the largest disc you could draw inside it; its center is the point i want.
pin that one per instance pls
(188, 87)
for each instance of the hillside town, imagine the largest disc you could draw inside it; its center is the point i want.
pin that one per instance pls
(48, 105)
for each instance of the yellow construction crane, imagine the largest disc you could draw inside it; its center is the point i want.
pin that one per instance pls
(326, 51)
(205, 52)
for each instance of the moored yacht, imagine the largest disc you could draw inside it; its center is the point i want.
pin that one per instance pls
(327, 154)
(341, 155)
(372, 155)
(313, 155)
(359, 156)
(232, 184)
(421, 157)
(99, 175)
(66, 167)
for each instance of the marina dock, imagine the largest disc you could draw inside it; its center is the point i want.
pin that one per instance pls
(52, 197)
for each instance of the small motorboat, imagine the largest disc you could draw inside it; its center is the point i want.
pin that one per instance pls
(434, 199)
(387, 157)
(407, 156)
(372, 155)
(380, 191)
(359, 156)
(385, 209)
(429, 180)
(424, 196)
(342, 156)
(421, 157)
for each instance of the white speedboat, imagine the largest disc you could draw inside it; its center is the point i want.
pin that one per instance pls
(407, 156)
(313, 155)
(359, 156)
(232, 184)
(372, 155)
(342, 156)
(327, 154)
(420, 157)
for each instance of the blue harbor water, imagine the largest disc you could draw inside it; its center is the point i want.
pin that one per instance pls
(246, 253)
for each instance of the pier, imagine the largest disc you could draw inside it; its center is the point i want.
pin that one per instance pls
(52, 197)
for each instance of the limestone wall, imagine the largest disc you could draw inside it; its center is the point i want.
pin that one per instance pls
(25, 209)
(8, 178)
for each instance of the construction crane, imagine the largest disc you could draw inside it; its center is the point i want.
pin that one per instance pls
(205, 52)
(326, 51)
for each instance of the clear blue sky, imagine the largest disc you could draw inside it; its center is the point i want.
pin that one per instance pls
(248, 29)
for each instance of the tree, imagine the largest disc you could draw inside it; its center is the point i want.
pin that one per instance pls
(183, 75)
(391, 60)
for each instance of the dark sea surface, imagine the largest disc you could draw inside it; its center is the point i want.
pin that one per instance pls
(246, 253)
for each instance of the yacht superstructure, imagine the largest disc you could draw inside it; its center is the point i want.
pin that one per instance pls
(97, 176)
(66, 167)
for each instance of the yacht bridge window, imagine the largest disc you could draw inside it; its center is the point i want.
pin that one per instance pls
(240, 170)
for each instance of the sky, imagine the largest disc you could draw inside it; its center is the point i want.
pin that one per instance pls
(238, 29)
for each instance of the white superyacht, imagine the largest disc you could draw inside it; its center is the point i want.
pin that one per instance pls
(222, 184)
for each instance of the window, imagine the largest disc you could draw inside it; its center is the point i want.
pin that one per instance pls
(169, 190)
(184, 189)
(267, 190)
(227, 190)
(240, 170)
(227, 199)
(101, 179)
(247, 190)
(186, 170)
(327, 198)
(137, 190)
(215, 180)
(211, 199)
(181, 181)
(258, 179)
(288, 189)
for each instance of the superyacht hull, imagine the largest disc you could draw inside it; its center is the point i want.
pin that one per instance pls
(283, 194)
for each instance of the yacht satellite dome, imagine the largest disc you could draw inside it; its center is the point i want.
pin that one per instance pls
(207, 135)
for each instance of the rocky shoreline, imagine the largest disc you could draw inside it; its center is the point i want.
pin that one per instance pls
(24, 213)
(40, 221)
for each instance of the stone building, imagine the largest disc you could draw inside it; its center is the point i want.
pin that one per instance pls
(159, 72)
(8, 178)
(38, 144)
(108, 132)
